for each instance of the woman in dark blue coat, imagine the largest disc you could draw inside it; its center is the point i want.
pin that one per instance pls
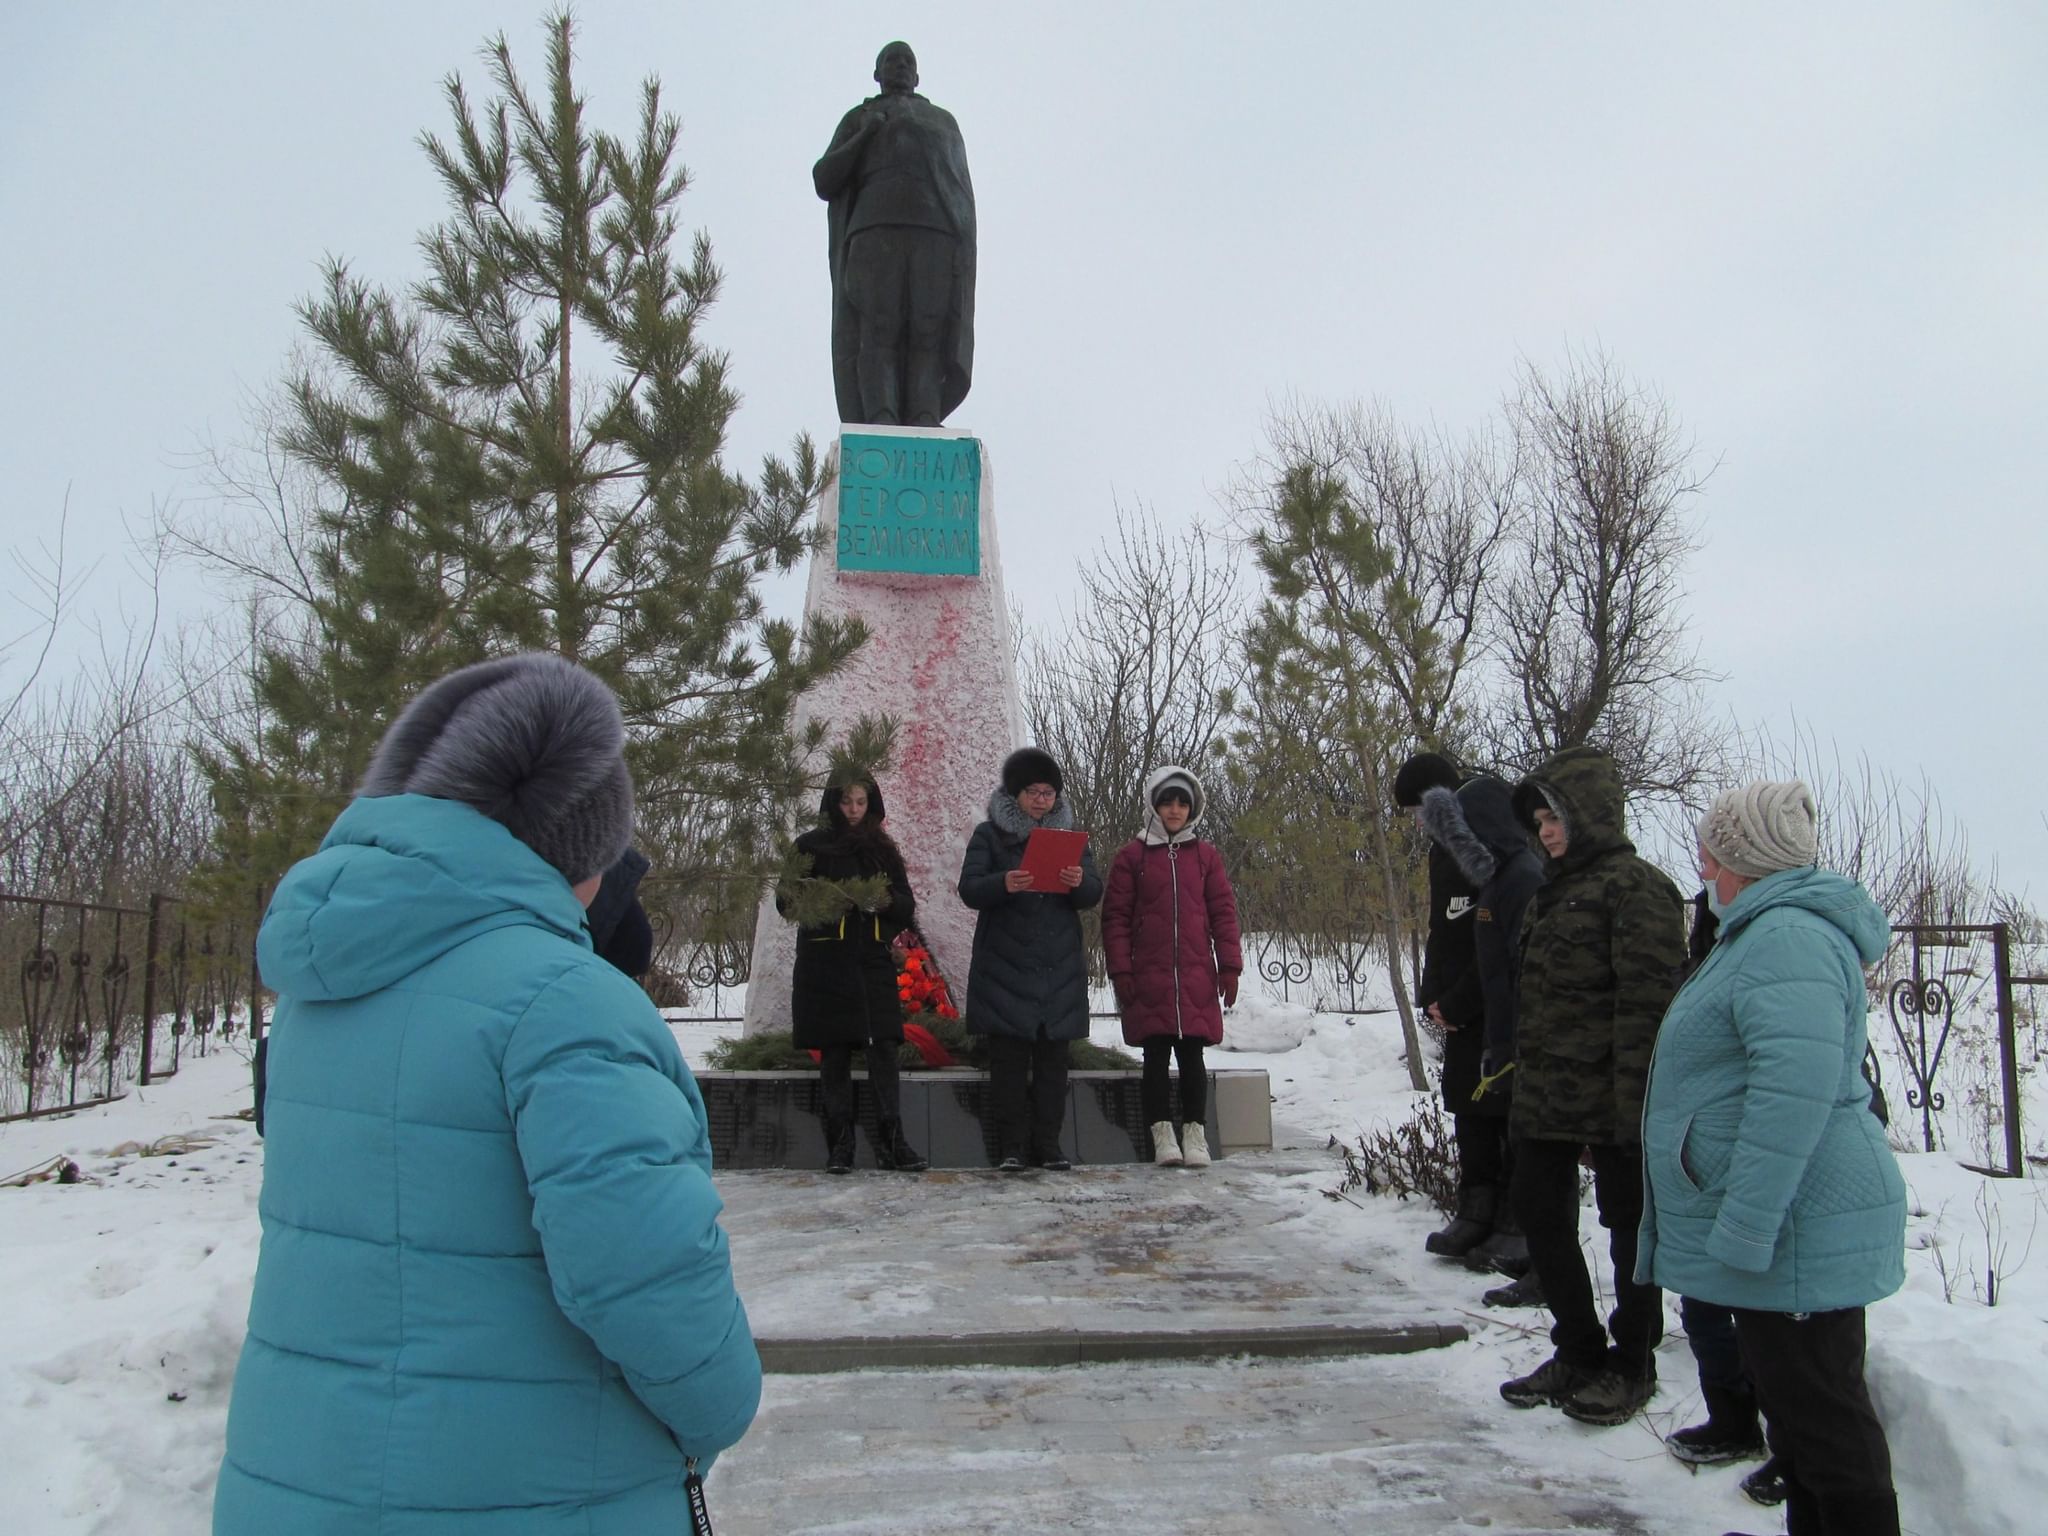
(1027, 986)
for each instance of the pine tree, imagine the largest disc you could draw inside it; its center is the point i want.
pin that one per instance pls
(1341, 644)
(522, 450)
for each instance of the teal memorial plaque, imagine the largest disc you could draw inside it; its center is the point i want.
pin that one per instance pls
(910, 504)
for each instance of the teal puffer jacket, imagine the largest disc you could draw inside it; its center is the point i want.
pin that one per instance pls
(493, 1295)
(1769, 1182)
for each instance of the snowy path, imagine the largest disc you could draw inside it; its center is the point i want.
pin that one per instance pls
(1282, 1448)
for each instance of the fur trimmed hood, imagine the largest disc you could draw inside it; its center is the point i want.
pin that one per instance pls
(1011, 821)
(1476, 826)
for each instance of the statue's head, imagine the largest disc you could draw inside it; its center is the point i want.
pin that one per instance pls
(896, 68)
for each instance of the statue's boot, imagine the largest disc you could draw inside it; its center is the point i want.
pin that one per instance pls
(880, 386)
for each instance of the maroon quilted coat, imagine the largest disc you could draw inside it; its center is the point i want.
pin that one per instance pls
(1169, 926)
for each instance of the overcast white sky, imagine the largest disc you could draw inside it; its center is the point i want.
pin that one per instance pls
(1821, 231)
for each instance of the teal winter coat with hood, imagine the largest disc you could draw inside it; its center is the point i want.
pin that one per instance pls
(1770, 1185)
(493, 1294)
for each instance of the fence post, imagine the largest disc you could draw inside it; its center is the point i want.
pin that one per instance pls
(2008, 1055)
(149, 947)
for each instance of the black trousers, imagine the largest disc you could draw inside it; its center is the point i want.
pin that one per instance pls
(835, 1082)
(1710, 1331)
(1027, 1082)
(1545, 1196)
(1807, 1368)
(1155, 1088)
(1483, 1159)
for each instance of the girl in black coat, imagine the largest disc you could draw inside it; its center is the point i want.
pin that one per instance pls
(1027, 986)
(843, 987)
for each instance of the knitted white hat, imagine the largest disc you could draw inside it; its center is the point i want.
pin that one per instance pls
(1762, 828)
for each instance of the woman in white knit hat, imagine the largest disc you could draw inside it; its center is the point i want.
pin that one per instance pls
(1772, 1189)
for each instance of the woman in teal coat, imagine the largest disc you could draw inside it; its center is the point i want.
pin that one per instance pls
(492, 1295)
(1771, 1188)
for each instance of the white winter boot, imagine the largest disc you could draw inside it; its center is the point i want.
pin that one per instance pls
(1165, 1150)
(1194, 1145)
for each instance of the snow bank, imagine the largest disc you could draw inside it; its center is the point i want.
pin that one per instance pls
(1265, 1024)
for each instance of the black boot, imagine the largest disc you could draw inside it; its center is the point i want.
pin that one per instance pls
(1766, 1485)
(1505, 1251)
(1731, 1432)
(1525, 1292)
(839, 1147)
(1470, 1227)
(894, 1153)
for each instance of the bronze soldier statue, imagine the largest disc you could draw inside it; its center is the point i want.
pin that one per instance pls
(901, 227)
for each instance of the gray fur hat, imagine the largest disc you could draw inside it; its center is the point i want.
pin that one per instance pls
(1762, 828)
(533, 742)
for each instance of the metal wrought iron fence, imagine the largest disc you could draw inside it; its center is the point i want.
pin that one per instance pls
(703, 943)
(1940, 975)
(107, 995)
(1311, 941)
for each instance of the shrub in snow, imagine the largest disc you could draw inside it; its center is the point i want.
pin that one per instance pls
(1417, 1157)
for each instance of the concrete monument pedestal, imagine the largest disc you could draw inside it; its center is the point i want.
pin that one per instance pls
(913, 553)
(777, 1120)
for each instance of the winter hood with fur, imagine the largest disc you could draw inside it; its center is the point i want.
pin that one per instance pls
(1477, 828)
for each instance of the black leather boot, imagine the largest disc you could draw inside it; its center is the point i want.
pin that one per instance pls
(1525, 1292)
(893, 1153)
(839, 1147)
(1766, 1485)
(1470, 1227)
(1504, 1252)
(1731, 1432)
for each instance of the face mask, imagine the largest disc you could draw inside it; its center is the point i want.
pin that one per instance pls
(1715, 904)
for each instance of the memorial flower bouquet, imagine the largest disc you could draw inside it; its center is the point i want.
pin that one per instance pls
(923, 992)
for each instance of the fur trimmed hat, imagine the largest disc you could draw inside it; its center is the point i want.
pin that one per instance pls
(1762, 828)
(533, 742)
(1031, 765)
(1425, 770)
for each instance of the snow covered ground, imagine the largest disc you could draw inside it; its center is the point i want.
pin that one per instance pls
(124, 1297)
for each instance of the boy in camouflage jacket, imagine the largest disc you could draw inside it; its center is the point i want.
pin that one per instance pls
(1601, 950)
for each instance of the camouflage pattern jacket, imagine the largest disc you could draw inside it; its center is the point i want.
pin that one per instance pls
(1602, 948)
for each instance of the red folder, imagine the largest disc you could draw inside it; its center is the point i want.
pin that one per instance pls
(1048, 851)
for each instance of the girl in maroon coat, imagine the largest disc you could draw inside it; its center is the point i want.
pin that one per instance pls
(1169, 925)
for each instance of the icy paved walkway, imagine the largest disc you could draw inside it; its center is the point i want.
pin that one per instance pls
(1381, 1443)
(1273, 1448)
(1248, 1243)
